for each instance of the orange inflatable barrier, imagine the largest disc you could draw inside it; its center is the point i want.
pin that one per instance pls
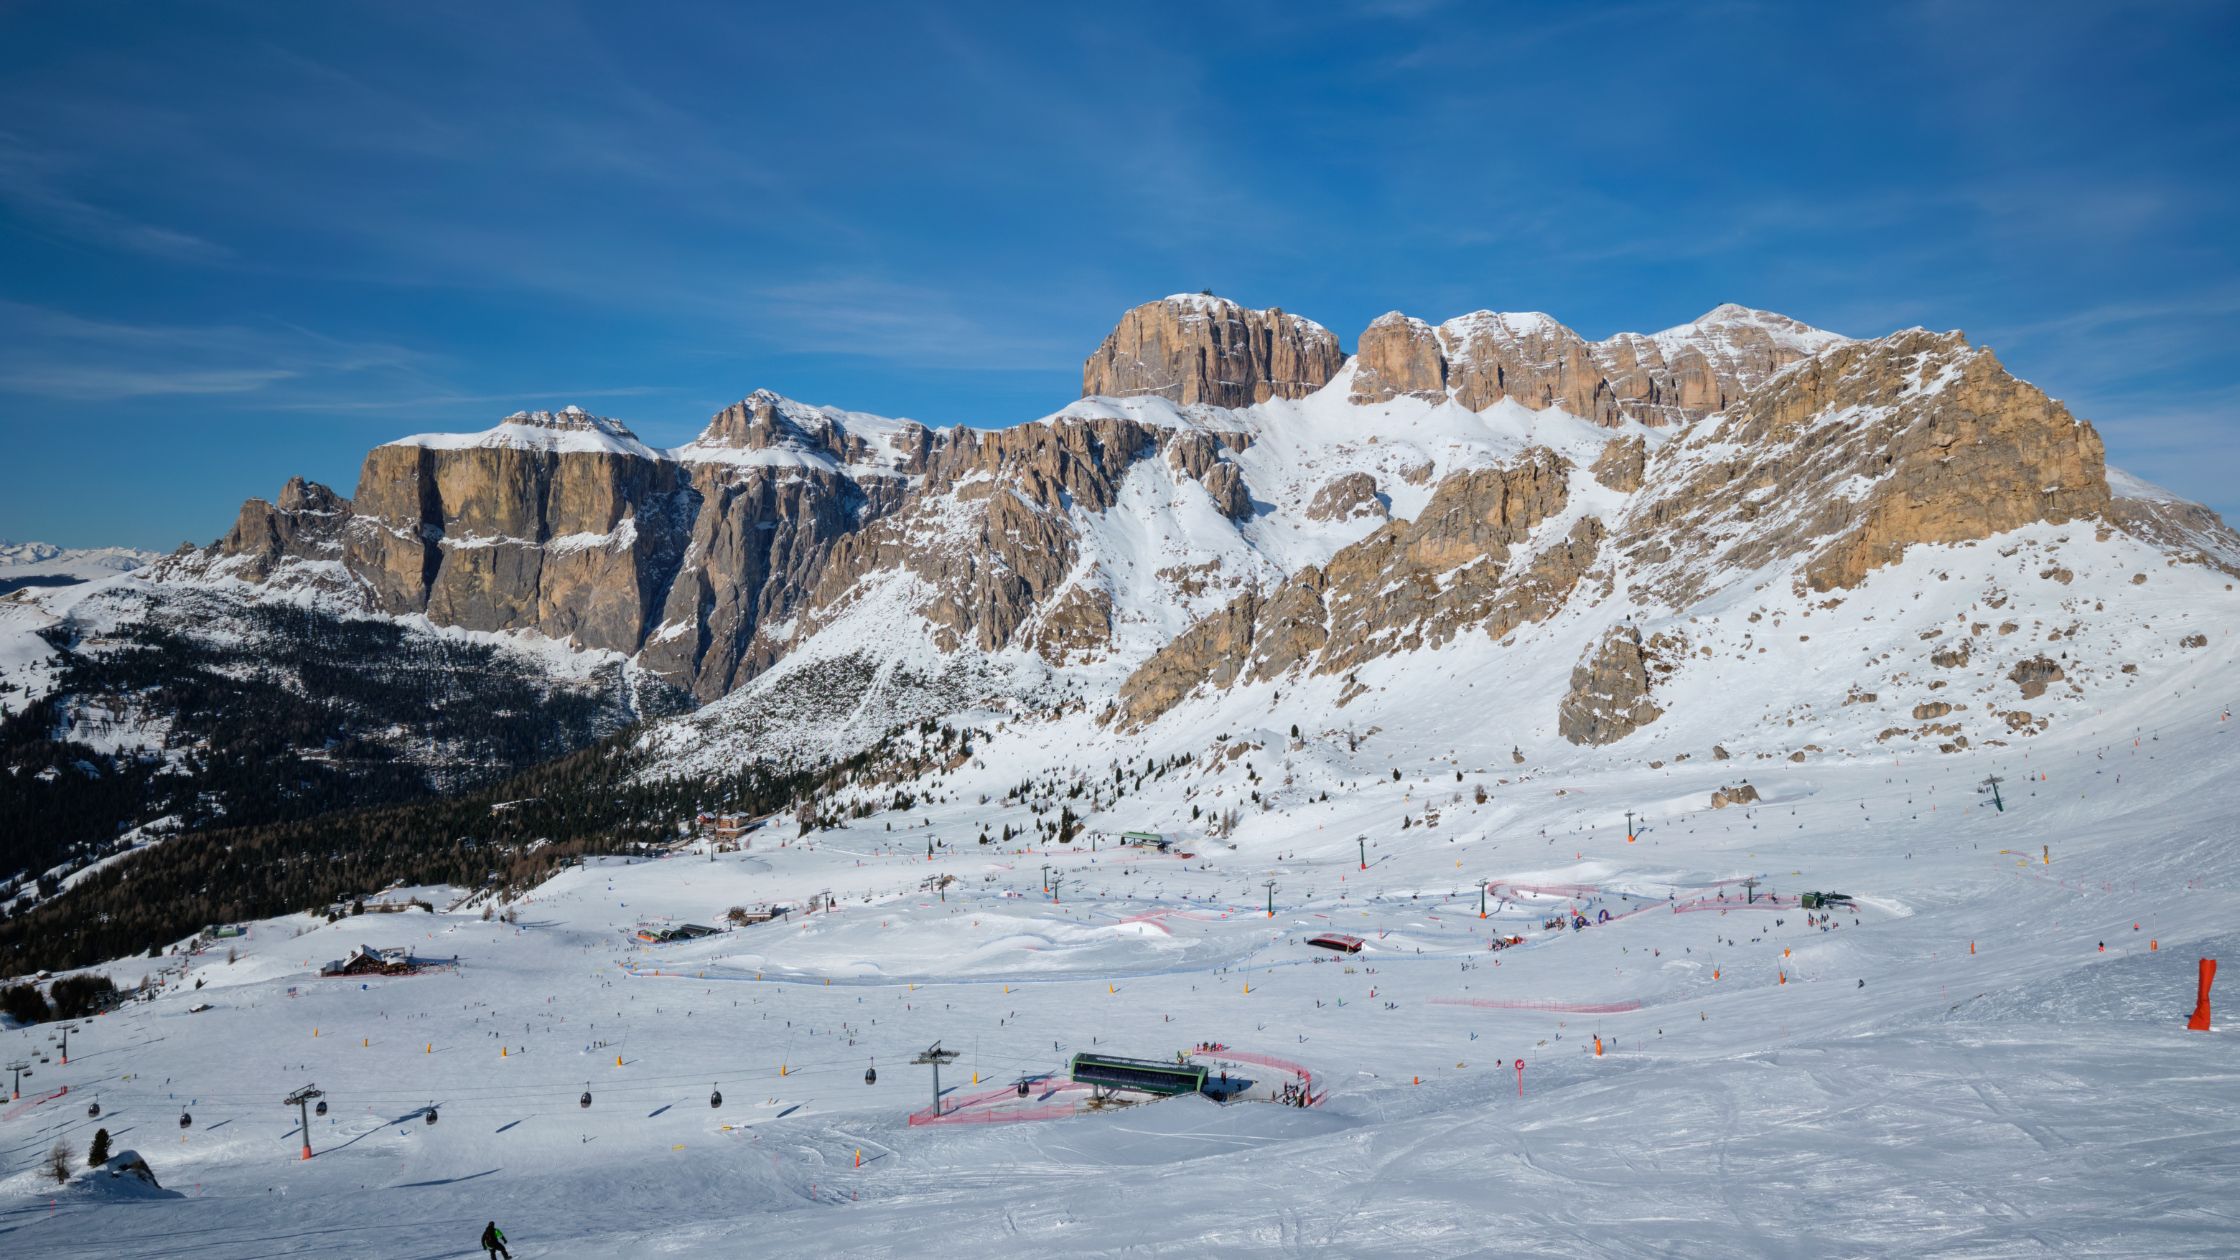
(2200, 1020)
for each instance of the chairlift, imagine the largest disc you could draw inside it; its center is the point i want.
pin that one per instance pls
(93, 1111)
(871, 1075)
(1022, 1087)
(715, 1097)
(321, 1109)
(585, 1101)
(431, 1113)
(185, 1120)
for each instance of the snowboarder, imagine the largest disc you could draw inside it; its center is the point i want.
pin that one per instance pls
(494, 1241)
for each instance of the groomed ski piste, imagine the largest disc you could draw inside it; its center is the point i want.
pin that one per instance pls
(1983, 1054)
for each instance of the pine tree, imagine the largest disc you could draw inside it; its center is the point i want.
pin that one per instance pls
(98, 1153)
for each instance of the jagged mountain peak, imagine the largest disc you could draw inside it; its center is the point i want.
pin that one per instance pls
(1671, 377)
(767, 427)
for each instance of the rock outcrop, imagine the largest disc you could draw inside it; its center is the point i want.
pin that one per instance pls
(305, 524)
(1621, 465)
(1193, 348)
(1399, 355)
(1411, 584)
(1345, 497)
(1671, 377)
(2035, 675)
(1848, 459)
(1740, 794)
(2155, 516)
(1609, 695)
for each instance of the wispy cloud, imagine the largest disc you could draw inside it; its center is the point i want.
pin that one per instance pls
(866, 316)
(33, 185)
(60, 355)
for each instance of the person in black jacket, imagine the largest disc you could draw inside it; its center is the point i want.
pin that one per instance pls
(494, 1241)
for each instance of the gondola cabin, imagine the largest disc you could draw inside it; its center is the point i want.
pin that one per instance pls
(1338, 941)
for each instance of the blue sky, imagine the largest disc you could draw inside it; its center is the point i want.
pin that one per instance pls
(239, 242)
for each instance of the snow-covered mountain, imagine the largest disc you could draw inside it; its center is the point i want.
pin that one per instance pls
(1237, 510)
(1491, 646)
(44, 564)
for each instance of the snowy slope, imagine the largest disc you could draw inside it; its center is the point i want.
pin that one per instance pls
(1998, 1086)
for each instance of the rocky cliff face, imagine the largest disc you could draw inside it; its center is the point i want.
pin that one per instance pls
(1411, 584)
(1856, 455)
(1672, 377)
(1203, 349)
(1198, 549)
(560, 523)
(1609, 696)
(304, 525)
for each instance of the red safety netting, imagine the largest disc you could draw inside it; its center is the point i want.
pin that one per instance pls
(1305, 1075)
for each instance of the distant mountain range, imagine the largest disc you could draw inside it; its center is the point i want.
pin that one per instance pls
(1616, 544)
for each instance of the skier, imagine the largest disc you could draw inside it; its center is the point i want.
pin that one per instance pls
(494, 1241)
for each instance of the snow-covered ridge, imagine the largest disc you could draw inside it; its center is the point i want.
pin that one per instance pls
(1206, 304)
(39, 559)
(2124, 485)
(1715, 329)
(570, 430)
(767, 429)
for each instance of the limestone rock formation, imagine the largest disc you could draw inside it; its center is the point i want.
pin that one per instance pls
(1621, 465)
(2193, 532)
(562, 523)
(1193, 348)
(2035, 675)
(1848, 459)
(1399, 355)
(1609, 695)
(306, 523)
(1741, 794)
(1345, 497)
(1411, 584)
(1665, 378)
